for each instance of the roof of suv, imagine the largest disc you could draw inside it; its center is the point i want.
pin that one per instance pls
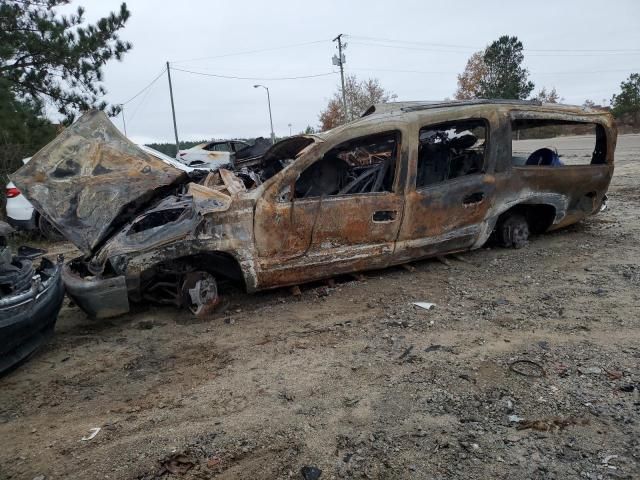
(406, 107)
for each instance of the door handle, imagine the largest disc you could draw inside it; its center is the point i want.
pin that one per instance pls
(385, 215)
(473, 198)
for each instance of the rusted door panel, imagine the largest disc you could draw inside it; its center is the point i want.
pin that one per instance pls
(367, 219)
(444, 217)
(283, 229)
(354, 232)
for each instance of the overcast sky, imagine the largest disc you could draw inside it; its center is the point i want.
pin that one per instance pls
(415, 48)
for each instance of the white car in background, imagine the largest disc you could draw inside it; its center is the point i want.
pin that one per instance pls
(212, 155)
(22, 216)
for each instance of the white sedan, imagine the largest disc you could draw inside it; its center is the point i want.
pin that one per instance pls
(212, 155)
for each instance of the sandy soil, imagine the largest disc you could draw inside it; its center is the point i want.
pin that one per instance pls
(355, 380)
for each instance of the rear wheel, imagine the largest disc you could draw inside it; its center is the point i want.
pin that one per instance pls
(48, 231)
(513, 230)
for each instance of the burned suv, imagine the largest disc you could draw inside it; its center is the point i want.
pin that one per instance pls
(405, 181)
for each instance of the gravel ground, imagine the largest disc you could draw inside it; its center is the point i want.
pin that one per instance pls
(527, 367)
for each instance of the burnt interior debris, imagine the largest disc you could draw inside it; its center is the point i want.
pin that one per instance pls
(363, 165)
(450, 150)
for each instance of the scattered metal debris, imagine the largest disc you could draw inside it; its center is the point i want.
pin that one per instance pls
(310, 473)
(607, 459)
(176, 464)
(92, 434)
(590, 370)
(406, 352)
(527, 368)
(424, 305)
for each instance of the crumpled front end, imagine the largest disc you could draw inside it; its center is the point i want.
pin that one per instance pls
(173, 228)
(147, 230)
(90, 180)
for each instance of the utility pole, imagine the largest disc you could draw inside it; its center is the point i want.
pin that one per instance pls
(173, 109)
(340, 61)
(124, 123)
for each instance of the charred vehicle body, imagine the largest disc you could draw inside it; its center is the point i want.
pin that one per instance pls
(405, 181)
(30, 298)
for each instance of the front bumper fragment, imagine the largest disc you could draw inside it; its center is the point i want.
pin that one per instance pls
(98, 297)
(27, 319)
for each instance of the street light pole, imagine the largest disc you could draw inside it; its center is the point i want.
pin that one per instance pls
(124, 122)
(273, 135)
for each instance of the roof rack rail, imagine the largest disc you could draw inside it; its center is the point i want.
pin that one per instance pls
(478, 101)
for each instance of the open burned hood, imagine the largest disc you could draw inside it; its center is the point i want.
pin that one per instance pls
(288, 148)
(90, 180)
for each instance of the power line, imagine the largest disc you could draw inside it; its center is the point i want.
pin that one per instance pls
(234, 77)
(444, 45)
(145, 88)
(402, 71)
(247, 52)
(455, 73)
(577, 72)
(541, 50)
(141, 103)
(404, 47)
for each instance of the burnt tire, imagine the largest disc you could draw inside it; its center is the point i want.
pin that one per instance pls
(513, 231)
(48, 231)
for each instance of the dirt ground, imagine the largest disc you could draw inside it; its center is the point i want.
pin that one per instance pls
(356, 381)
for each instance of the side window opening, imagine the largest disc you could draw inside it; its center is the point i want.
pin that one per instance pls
(362, 165)
(217, 147)
(450, 150)
(557, 143)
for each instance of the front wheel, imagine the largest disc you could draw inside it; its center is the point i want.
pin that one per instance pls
(200, 293)
(513, 231)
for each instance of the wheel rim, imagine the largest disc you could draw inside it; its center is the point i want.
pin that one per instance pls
(200, 293)
(519, 235)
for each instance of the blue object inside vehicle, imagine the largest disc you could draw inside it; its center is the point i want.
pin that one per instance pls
(544, 156)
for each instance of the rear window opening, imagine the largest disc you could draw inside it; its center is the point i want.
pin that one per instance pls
(557, 143)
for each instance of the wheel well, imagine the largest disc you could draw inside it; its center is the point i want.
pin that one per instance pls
(163, 282)
(539, 216)
(218, 263)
